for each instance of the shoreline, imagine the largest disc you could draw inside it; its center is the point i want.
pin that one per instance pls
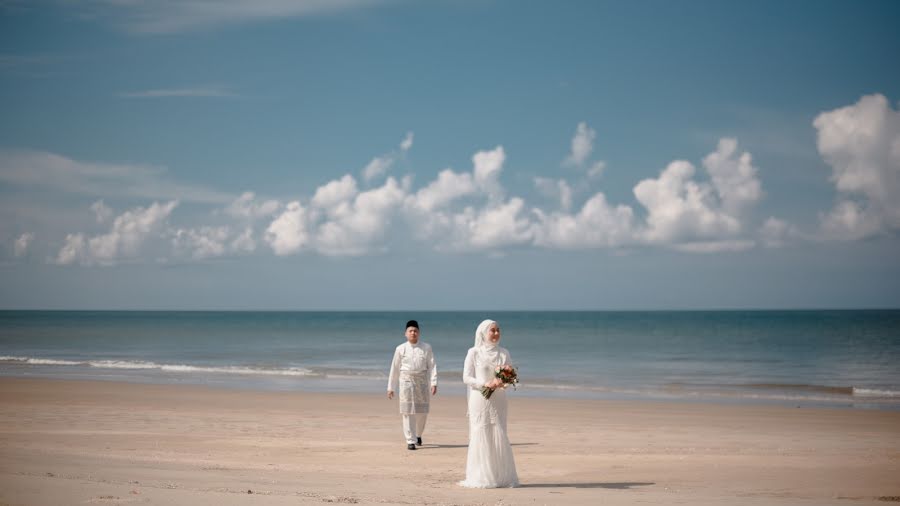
(73, 441)
(784, 395)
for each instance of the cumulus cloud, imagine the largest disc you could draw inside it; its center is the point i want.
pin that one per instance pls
(359, 227)
(335, 194)
(380, 165)
(733, 176)
(448, 187)
(486, 172)
(128, 233)
(340, 220)
(861, 143)
(491, 228)
(288, 233)
(582, 145)
(683, 210)
(21, 244)
(72, 251)
(203, 242)
(596, 225)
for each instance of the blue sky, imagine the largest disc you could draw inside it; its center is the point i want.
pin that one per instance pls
(364, 154)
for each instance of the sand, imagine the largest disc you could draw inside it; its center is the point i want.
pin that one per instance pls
(83, 442)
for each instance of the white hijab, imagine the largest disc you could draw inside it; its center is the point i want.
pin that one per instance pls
(486, 349)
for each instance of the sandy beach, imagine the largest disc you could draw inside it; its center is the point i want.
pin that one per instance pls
(84, 442)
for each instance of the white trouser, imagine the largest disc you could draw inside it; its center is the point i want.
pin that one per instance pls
(413, 426)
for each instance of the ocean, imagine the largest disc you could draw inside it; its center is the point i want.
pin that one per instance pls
(845, 359)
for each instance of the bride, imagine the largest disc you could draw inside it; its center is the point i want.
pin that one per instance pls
(490, 462)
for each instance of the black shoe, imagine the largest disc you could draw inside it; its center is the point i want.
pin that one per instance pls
(419, 441)
(410, 446)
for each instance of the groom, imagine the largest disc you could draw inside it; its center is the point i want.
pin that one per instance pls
(412, 371)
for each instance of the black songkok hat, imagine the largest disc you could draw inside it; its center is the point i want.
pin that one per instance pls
(412, 323)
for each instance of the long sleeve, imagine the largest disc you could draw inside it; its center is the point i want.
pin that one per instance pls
(432, 368)
(469, 371)
(394, 376)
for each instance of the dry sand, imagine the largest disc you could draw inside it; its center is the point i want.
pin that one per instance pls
(81, 442)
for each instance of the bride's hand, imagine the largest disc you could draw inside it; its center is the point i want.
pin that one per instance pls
(493, 384)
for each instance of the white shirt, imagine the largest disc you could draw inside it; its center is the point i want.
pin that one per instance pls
(412, 358)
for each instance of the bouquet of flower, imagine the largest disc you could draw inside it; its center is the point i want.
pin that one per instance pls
(507, 374)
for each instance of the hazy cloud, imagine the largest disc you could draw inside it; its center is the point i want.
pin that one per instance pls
(102, 212)
(168, 16)
(21, 244)
(407, 142)
(39, 169)
(195, 92)
(247, 206)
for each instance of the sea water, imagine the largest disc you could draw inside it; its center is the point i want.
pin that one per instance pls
(833, 358)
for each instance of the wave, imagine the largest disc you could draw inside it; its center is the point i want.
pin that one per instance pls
(180, 368)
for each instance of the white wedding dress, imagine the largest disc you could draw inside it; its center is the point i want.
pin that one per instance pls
(490, 462)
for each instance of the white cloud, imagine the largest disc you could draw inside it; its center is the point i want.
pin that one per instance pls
(202, 243)
(448, 187)
(195, 92)
(41, 169)
(861, 143)
(582, 145)
(102, 212)
(680, 209)
(377, 167)
(597, 225)
(696, 215)
(734, 177)
(360, 227)
(185, 15)
(380, 165)
(486, 172)
(335, 193)
(288, 233)
(73, 250)
(212, 241)
(407, 142)
(128, 233)
(493, 227)
(20, 247)
(247, 207)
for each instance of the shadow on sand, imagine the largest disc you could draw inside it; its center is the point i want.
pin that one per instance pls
(428, 446)
(617, 486)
